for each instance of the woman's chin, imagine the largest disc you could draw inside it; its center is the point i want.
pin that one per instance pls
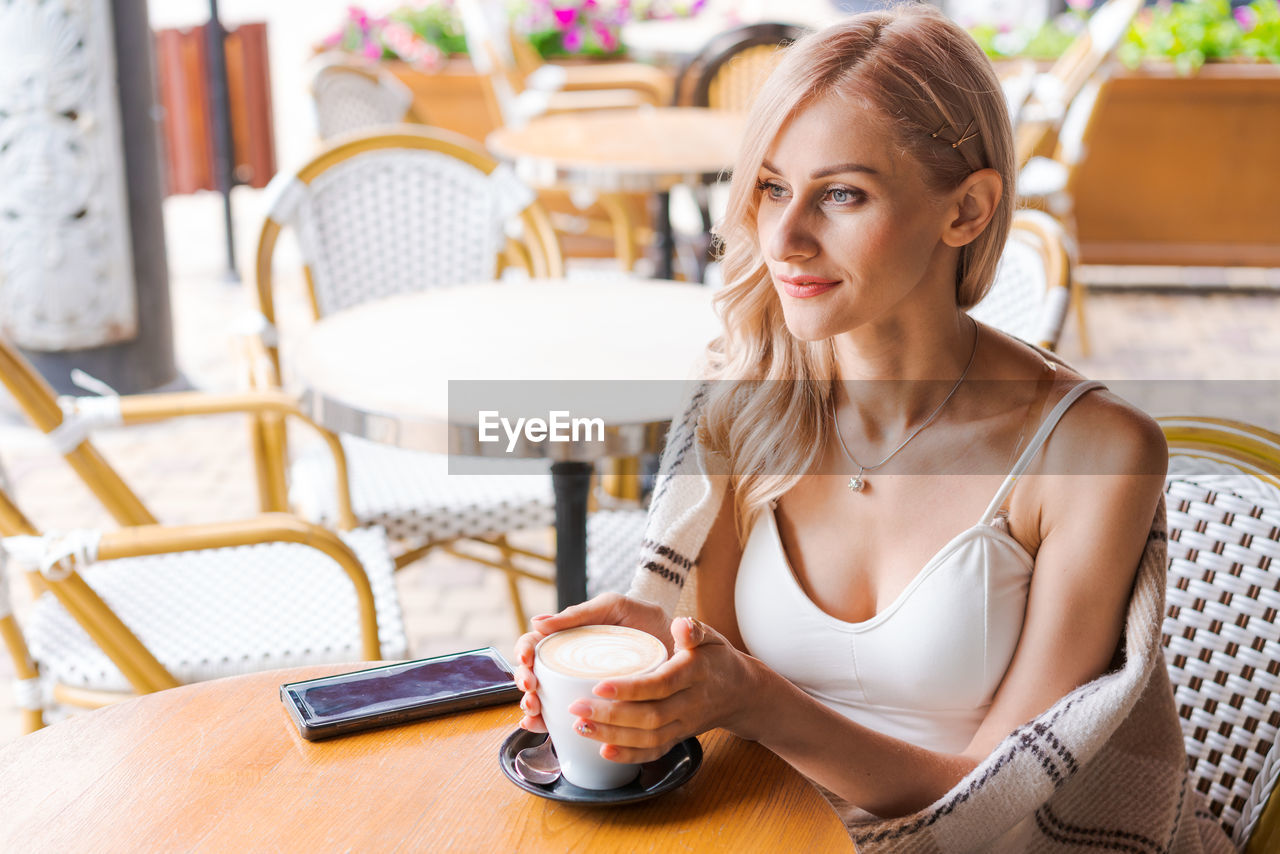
(809, 329)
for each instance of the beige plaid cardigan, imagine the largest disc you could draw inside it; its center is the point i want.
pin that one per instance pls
(1103, 769)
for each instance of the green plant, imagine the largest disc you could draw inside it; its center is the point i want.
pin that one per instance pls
(1188, 33)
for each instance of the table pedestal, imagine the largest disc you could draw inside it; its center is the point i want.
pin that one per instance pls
(572, 484)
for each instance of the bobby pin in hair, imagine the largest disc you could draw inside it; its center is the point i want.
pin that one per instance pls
(965, 135)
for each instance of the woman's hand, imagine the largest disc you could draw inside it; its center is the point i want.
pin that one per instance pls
(705, 684)
(608, 609)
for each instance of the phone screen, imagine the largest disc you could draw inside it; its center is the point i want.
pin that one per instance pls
(398, 693)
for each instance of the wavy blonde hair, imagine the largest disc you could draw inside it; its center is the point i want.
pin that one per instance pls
(924, 75)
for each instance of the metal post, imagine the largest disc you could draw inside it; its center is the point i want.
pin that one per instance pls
(572, 484)
(223, 142)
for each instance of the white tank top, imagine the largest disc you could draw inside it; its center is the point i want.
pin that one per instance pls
(926, 667)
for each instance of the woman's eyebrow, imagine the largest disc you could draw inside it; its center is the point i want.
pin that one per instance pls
(826, 171)
(843, 168)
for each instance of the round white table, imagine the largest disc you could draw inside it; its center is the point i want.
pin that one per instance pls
(420, 371)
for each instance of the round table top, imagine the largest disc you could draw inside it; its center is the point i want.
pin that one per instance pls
(417, 370)
(646, 149)
(219, 766)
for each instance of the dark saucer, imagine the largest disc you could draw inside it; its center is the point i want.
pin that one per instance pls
(658, 777)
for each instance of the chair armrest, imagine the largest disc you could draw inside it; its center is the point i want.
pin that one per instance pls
(147, 408)
(142, 540)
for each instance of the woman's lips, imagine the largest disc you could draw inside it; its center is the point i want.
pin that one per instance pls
(802, 287)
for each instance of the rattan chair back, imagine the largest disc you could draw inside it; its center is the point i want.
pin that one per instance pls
(400, 211)
(1222, 624)
(728, 71)
(349, 96)
(1032, 288)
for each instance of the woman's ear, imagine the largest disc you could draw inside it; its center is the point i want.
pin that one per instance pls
(975, 202)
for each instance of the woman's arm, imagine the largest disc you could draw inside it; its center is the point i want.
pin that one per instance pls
(1093, 529)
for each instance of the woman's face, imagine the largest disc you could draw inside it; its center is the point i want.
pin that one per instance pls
(847, 227)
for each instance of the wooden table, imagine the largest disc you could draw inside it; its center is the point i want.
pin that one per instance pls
(218, 766)
(415, 370)
(646, 150)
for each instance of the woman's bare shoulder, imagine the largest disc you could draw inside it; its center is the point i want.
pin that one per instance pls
(1103, 433)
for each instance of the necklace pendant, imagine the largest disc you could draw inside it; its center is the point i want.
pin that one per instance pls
(856, 483)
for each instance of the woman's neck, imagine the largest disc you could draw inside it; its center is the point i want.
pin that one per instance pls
(893, 376)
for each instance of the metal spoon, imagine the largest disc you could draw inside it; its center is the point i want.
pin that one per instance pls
(538, 764)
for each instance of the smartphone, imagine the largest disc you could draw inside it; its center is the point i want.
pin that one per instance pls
(399, 693)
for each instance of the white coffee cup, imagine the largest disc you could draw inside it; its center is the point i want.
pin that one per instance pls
(567, 666)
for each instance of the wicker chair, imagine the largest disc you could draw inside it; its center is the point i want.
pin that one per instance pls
(1032, 288)
(728, 71)
(1041, 107)
(1222, 629)
(348, 95)
(381, 214)
(150, 606)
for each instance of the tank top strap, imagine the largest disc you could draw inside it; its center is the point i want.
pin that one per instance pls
(1033, 447)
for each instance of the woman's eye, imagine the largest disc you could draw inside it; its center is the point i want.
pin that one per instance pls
(771, 189)
(843, 196)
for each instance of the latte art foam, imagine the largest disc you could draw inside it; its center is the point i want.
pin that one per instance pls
(597, 652)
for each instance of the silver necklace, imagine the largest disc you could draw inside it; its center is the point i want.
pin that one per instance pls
(857, 483)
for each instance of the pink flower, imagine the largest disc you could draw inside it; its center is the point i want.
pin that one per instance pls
(1080, 5)
(604, 35)
(372, 50)
(565, 18)
(1246, 17)
(572, 40)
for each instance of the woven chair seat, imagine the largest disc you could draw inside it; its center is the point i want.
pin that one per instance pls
(214, 613)
(613, 549)
(413, 496)
(1222, 635)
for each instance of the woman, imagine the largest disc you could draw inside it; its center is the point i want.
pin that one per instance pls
(852, 617)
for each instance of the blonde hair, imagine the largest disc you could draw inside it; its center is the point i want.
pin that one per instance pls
(933, 85)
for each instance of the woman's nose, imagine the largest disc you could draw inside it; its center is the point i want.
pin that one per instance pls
(792, 235)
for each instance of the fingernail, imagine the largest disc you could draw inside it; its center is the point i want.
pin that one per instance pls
(605, 689)
(543, 617)
(581, 708)
(583, 728)
(695, 628)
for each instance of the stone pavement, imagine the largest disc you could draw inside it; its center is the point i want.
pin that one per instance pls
(200, 469)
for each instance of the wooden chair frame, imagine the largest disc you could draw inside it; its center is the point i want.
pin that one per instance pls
(142, 535)
(1050, 240)
(1082, 60)
(1253, 450)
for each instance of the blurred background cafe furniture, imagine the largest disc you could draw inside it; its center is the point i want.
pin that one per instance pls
(135, 193)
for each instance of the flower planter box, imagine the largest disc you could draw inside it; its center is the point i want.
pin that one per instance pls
(1183, 170)
(452, 98)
